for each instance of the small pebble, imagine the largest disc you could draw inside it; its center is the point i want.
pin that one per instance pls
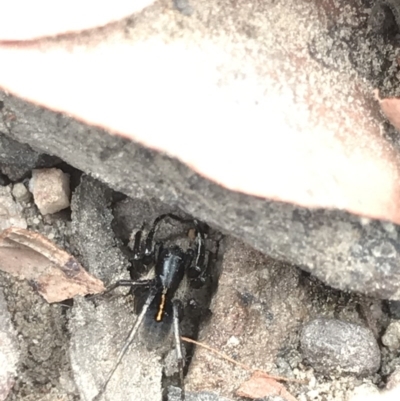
(394, 380)
(50, 188)
(330, 345)
(11, 212)
(184, 7)
(313, 394)
(363, 392)
(391, 338)
(20, 193)
(233, 341)
(312, 382)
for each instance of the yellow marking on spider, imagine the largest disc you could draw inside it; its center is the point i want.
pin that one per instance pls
(162, 306)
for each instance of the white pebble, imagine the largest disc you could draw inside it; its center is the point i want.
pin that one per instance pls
(50, 188)
(20, 193)
(391, 338)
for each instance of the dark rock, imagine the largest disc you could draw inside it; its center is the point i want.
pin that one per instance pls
(337, 247)
(394, 309)
(334, 345)
(4, 180)
(18, 160)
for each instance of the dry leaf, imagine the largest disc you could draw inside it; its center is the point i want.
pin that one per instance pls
(54, 273)
(391, 109)
(260, 386)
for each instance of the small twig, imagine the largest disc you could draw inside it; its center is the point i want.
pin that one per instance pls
(242, 365)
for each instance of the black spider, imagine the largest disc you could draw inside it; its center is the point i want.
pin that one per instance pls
(159, 307)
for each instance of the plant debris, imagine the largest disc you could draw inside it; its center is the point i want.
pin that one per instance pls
(260, 385)
(53, 272)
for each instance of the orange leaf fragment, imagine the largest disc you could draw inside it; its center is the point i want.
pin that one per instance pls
(260, 386)
(53, 272)
(391, 108)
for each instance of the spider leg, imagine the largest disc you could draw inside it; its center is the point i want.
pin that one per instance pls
(128, 283)
(201, 248)
(137, 251)
(144, 255)
(128, 342)
(198, 268)
(178, 346)
(141, 260)
(121, 283)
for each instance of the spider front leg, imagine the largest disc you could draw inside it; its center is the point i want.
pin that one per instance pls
(197, 269)
(129, 283)
(146, 254)
(141, 259)
(138, 259)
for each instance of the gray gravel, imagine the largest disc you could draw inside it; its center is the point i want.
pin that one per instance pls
(9, 352)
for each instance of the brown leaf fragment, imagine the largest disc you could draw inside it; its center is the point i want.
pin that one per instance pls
(391, 108)
(260, 386)
(53, 272)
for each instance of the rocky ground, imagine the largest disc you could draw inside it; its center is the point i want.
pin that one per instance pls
(262, 312)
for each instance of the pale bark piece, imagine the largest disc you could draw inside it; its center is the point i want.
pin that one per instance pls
(260, 386)
(53, 272)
